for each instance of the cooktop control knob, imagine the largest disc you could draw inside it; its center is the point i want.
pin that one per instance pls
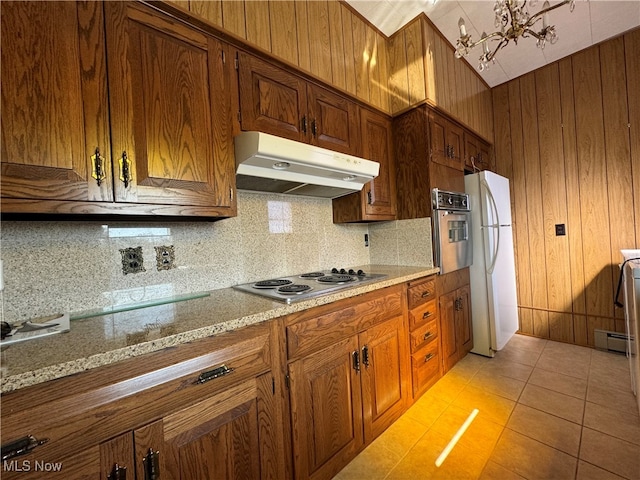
(334, 270)
(343, 271)
(352, 271)
(361, 273)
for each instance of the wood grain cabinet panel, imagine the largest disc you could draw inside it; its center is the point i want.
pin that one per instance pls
(446, 141)
(156, 143)
(424, 334)
(377, 199)
(208, 409)
(275, 101)
(348, 391)
(54, 101)
(454, 308)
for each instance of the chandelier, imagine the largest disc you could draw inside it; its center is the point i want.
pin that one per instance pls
(514, 21)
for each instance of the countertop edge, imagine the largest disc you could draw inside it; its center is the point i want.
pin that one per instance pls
(44, 374)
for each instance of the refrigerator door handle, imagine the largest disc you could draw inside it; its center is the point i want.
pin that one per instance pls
(496, 225)
(496, 246)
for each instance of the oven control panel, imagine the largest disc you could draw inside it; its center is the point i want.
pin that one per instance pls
(443, 200)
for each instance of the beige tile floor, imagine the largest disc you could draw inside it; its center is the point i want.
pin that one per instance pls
(547, 410)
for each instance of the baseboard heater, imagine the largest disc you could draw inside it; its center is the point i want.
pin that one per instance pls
(611, 341)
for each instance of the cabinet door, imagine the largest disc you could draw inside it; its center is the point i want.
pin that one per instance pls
(54, 101)
(471, 153)
(448, 334)
(384, 375)
(326, 410)
(116, 457)
(486, 159)
(464, 327)
(454, 140)
(217, 438)
(272, 100)
(377, 145)
(169, 111)
(334, 121)
(438, 138)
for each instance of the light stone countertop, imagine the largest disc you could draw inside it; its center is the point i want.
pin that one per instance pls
(101, 340)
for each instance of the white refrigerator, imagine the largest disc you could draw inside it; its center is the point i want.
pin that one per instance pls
(494, 303)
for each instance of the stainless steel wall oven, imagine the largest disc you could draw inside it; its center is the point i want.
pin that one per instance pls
(452, 245)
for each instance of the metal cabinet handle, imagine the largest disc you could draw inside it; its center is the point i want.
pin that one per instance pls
(97, 161)
(151, 463)
(426, 315)
(118, 473)
(314, 129)
(355, 356)
(125, 169)
(426, 293)
(428, 357)
(221, 371)
(304, 124)
(427, 335)
(20, 447)
(365, 356)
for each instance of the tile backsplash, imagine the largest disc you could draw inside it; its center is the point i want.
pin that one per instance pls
(54, 267)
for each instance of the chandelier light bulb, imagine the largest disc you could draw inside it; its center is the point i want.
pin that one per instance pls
(545, 17)
(461, 26)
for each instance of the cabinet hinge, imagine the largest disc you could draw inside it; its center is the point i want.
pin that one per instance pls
(273, 385)
(239, 116)
(236, 62)
(287, 381)
(224, 57)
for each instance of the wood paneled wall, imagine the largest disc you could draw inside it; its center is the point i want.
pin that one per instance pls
(422, 66)
(329, 40)
(568, 138)
(325, 38)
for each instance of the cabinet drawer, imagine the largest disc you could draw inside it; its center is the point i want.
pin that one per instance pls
(322, 330)
(425, 367)
(423, 314)
(423, 335)
(87, 409)
(422, 293)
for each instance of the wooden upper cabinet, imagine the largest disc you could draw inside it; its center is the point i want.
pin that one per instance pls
(334, 121)
(156, 141)
(477, 153)
(168, 108)
(377, 199)
(446, 141)
(272, 100)
(275, 101)
(54, 101)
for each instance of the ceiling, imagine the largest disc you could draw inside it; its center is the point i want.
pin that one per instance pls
(591, 22)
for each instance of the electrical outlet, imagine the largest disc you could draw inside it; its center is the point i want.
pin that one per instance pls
(132, 261)
(366, 239)
(165, 257)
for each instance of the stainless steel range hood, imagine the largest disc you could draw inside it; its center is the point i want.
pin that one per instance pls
(268, 163)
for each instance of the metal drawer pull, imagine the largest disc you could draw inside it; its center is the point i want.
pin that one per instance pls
(355, 356)
(21, 446)
(365, 356)
(428, 357)
(426, 315)
(426, 293)
(151, 462)
(427, 335)
(118, 473)
(215, 373)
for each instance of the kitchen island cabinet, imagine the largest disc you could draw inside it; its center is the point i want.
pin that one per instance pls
(209, 409)
(348, 378)
(125, 112)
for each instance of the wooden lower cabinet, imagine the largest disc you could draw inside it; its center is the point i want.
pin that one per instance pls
(346, 394)
(210, 409)
(456, 330)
